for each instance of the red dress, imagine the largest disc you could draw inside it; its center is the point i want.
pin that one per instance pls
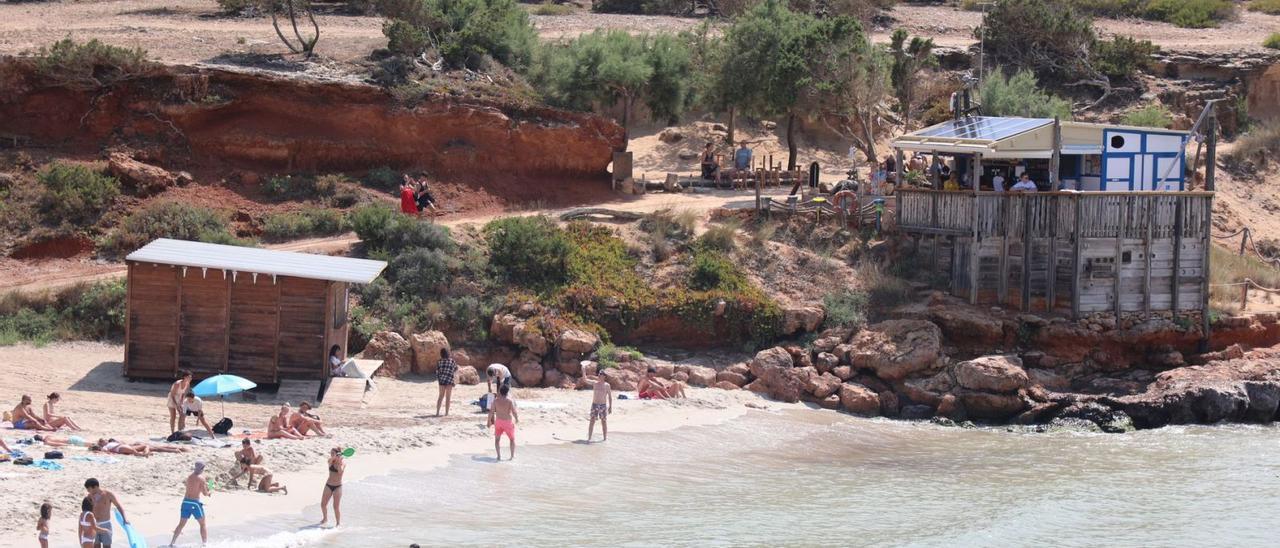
(407, 202)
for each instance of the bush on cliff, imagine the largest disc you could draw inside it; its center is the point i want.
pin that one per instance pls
(74, 193)
(89, 65)
(466, 33)
(81, 312)
(168, 219)
(1149, 116)
(292, 225)
(1020, 95)
(1270, 7)
(528, 251)
(1197, 14)
(1273, 41)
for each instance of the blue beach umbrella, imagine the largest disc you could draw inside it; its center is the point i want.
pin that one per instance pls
(223, 386)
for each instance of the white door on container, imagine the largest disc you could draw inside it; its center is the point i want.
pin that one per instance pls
(1119, 173)
(1143, 179)
(1166, 175)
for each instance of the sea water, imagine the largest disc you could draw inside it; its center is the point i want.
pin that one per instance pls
(798, 478)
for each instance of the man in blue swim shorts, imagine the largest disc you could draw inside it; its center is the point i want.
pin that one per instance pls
(191, 505)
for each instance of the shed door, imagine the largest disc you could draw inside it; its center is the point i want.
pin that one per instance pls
(1121, 160)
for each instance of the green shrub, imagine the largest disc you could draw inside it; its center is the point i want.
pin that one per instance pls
(1272, 41)
(1259, 145)
(467, 32)
(374, 224)
(75, 194)
(1149, 116)
(86, 311)
(608, 355)
(383, 178)
(299, 224)
(1110, 8)
(386, 230)
(471, 315)
(845, 308)
(234, 7)
(640, 7)
(168, 220)
(1271, 7)
(419, 271)
(1122, 57)
(528, 251)
(299, 187)
(551, 9)
(712, 270)
(1020, 95)
(1197, 14)
(89, 65)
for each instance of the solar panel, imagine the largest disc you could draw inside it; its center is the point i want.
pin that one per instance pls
(991, 128)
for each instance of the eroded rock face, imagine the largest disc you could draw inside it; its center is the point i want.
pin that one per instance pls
(989, 406)
(969, 327)
(701, 376)
(896, 349)
(991, 374)
(144, 179)
(859, 400)
(527, 372)
(467, 375)
(426, 350)
(804, 319)
(577, 340)
(393, 350)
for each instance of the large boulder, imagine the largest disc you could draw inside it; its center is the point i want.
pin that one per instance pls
(395, 352)
(859, 399)
(823, 385)
(620, 379)
(776, 357)
(782, 383)
(569, 365)
(803, 319)
(551, 378)
(843, 372)
(736, 379)
(701, 376)
(144, 179)
(986, 405)
(503, 327)
(726, 385)
(826, 361)
(896, 349)
(969, 327)
(426, 350)
(1048, 379)
(530, 338)
(927, 391)
(991, 374)
(467, 375)
(527, 372)
(577, 340)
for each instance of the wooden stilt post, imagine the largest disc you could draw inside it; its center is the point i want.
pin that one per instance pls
(1026, 252)
(1123, 212)
(1055, 160)
(900, 171)
(1152, 206)
(1206, 243)
(974, 247)
(976, 177)
(1176, 279)
(1002, 284)
(758, 183)
(1076, 263)
(1051, 268)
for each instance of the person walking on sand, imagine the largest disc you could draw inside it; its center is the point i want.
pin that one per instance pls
(42, 525)
(445, 372)
(192, 507)
(174, 399)
(601, 406)
(103, 500)
(25, 419)
(333, 488)
(503, 417)
(88, 524)
(55, 420)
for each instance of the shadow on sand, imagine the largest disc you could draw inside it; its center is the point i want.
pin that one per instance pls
(108, 377)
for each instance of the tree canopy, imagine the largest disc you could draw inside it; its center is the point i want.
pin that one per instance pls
(1019, 95)
(465, 32)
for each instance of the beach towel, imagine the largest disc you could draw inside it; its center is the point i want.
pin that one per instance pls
(96, 459)
(45, 464)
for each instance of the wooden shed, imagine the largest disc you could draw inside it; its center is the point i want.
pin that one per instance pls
(261, 314)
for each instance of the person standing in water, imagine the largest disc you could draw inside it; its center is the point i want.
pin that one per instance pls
(102, 502)
(333, 488)
(601, 406)
(192, 507)
(503, 418)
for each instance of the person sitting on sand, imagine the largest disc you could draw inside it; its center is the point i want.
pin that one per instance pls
(174, 400)
(710, 167)
(248, 461)
(57, 441)
(278, 427)
(269, 485)
(193, 406)
(497, 374)
(5, 446)
(303, 420)
(55, 420)
(408, 203)
(111, 445)
(601, 406)
(653, 388)
(503, 417)
(25, 419)
(424, 198)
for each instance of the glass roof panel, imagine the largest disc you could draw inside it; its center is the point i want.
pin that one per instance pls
(991, 128)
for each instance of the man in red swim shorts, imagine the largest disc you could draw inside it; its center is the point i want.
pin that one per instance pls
(503, 418)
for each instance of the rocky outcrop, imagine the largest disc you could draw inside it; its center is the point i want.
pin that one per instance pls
(859, 399)
(144, 179)
(804, 319)
(1246, 389)
(395, 353)
(528, 372)
(991, 374)
(426, 350)
(896, 349)
(578, 341)
(467, 375)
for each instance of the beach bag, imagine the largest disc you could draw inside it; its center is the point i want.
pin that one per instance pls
(485, 401)
(52, 455)
(24, 461)
(223, 426)
(179, 436)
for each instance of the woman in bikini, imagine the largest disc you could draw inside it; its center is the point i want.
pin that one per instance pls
(333, 488)
(133, 449)
(55, 420)
(25, 419)
(278, 427)
(57, 441)
(42, 526)
(88, 524)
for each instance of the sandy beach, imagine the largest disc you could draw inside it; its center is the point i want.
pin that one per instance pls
(395, 430)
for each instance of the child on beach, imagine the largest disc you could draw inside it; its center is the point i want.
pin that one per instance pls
(192, 507)
(88, 524)
(445, 372)
(42, 526)
(503, 417)
(174, 400)
(333, 488)
(102, 501)
(54, 420)
(601, 406)
(247, 461)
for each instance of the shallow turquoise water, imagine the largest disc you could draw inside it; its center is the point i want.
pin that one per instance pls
(823, 479)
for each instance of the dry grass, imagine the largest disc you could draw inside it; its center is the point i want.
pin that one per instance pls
(1230, 268)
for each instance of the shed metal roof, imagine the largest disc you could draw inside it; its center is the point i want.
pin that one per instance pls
(1011, 137)
(256, 260)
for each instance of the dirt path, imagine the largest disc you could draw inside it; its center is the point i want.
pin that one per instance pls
(39, 276)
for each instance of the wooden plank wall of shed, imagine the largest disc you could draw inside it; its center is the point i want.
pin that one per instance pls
(303, 318)
(151, 348)
(336, 319)
(254, 319)
(202, 347)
